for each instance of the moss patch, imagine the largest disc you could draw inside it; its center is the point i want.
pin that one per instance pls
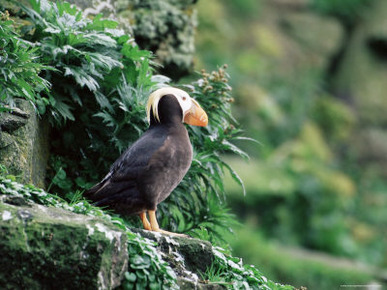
(86, 253)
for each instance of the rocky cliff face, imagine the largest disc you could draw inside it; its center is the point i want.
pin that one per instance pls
(296, 39)
(352, 60)
(360, 80)
(24, 145)
(47, 248)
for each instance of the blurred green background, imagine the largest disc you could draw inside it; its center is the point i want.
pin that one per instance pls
(309, 80)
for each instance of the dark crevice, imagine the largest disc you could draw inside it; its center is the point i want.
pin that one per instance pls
(378, 48)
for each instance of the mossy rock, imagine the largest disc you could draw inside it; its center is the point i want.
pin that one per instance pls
(188, 257)
(360, 80)
(48, 248)
(362, 72)
(24, 143)
(197, 254)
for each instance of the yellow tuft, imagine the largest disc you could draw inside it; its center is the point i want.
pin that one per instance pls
(153, 103)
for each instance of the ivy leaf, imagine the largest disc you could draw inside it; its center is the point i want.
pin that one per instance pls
(140, 262)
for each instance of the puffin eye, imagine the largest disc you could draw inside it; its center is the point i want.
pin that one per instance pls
(184, 98)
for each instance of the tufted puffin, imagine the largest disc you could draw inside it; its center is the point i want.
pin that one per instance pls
(147, 172)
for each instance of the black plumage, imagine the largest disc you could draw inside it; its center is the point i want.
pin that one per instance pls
(147, 172)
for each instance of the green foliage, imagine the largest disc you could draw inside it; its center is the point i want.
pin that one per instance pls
(230, 272)
(244, 8)
(335, 118)
(346, 10)
(299, 196)
(295, 188)
(97, 64)
(304, 185)
(102, 81)
(297, 267)
(19, 68)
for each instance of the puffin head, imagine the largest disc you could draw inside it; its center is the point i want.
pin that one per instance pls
(193, 114)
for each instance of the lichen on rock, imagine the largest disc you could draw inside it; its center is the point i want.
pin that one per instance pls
(188, 257)
(24, 143)
(47, 247)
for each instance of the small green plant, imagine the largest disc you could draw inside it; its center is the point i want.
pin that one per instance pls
(308, 269)
(346, 10)
(19, 68)
(230, 272)
(95, 61)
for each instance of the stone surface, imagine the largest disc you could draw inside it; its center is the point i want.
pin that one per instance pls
(12, 121)
(317, 38)
(195, 254)
(188, 257)
(279, 35)
(295, 38)
(50, 248)
(361, 77)
(24, 147)
(360, 80)
(370, 145)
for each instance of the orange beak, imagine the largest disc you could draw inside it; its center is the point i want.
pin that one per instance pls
(196, 116)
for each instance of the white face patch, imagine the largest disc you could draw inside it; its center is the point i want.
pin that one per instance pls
(185, 101)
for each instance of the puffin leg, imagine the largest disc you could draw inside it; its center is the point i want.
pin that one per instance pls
(155, 226)
(145, 221)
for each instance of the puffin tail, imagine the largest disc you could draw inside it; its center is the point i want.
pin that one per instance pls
(94, 192)
(90, 194)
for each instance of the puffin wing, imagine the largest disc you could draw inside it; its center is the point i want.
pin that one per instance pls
(121, 183)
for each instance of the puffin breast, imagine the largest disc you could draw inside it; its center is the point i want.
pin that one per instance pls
(169, 164)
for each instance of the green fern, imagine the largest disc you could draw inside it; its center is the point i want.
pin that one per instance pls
(19, 68)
